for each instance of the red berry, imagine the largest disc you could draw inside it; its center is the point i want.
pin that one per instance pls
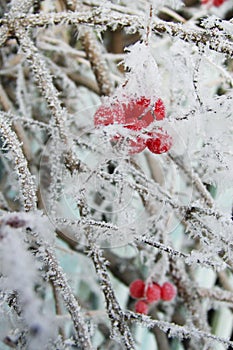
(106, 115)
(160, 142)
(218, 3)
(134, 115)
(136, 125)
(153, 293)
(134, 143)
(137, 288)
(137, 145)
(168, 291)
(144, 102)
(139, 109)
(215, 3)
(141, 307)
(159, 110)
(137, 112)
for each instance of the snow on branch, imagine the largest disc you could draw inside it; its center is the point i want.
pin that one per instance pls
(217, 43)
(175, 330)
(26, 180)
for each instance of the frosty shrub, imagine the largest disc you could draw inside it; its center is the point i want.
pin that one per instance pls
(116, 174)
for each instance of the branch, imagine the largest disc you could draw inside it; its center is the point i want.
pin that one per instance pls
(61, 285)
(30, 202)
(115, 313)
(26, 180)
(98, 64)
(174, 330)
(38, 236)
(17, 6)
(115, 20)
(196, 181)
(44, 81)
(188, 258)
(216, 294)
(187, 290)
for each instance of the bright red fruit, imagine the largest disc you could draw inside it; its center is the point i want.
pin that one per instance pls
(137, 145)
(137, 125)
(168, 291)
(134, 143)
(159, 110)
(135, 115)
(159, 142)
(218, 3)
(138, 112)
(153, 293)
(215, 3)
(141, 307)
(106, 115)
(137, 288)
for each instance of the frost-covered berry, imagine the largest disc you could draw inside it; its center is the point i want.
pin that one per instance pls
(168, 291)
(159, 110)
(133, 142)
(138, 112)
(136, 145)
(137, 288)
(215, 3)
(153, 292)
(136, 125)
(141, 307)
(159, 142)
(218, 3)
(135, 113)
(109, 114)
(143, 110)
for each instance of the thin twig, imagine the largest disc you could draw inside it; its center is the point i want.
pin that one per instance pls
(175, 330)
(26, 180)
(115, 313)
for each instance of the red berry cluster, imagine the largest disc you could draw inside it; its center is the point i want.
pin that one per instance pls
(215, 3)
(136, 114)
(149, 293)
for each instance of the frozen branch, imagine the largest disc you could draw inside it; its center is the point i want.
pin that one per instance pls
(17, 6)
(216, 294)
(187, 290)
(61, 285)
(95, 56)
(44, 81)
(174, 330)
(175, 254)
(26, 180)
(114, 311)
(113, 20)
(196, 181)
